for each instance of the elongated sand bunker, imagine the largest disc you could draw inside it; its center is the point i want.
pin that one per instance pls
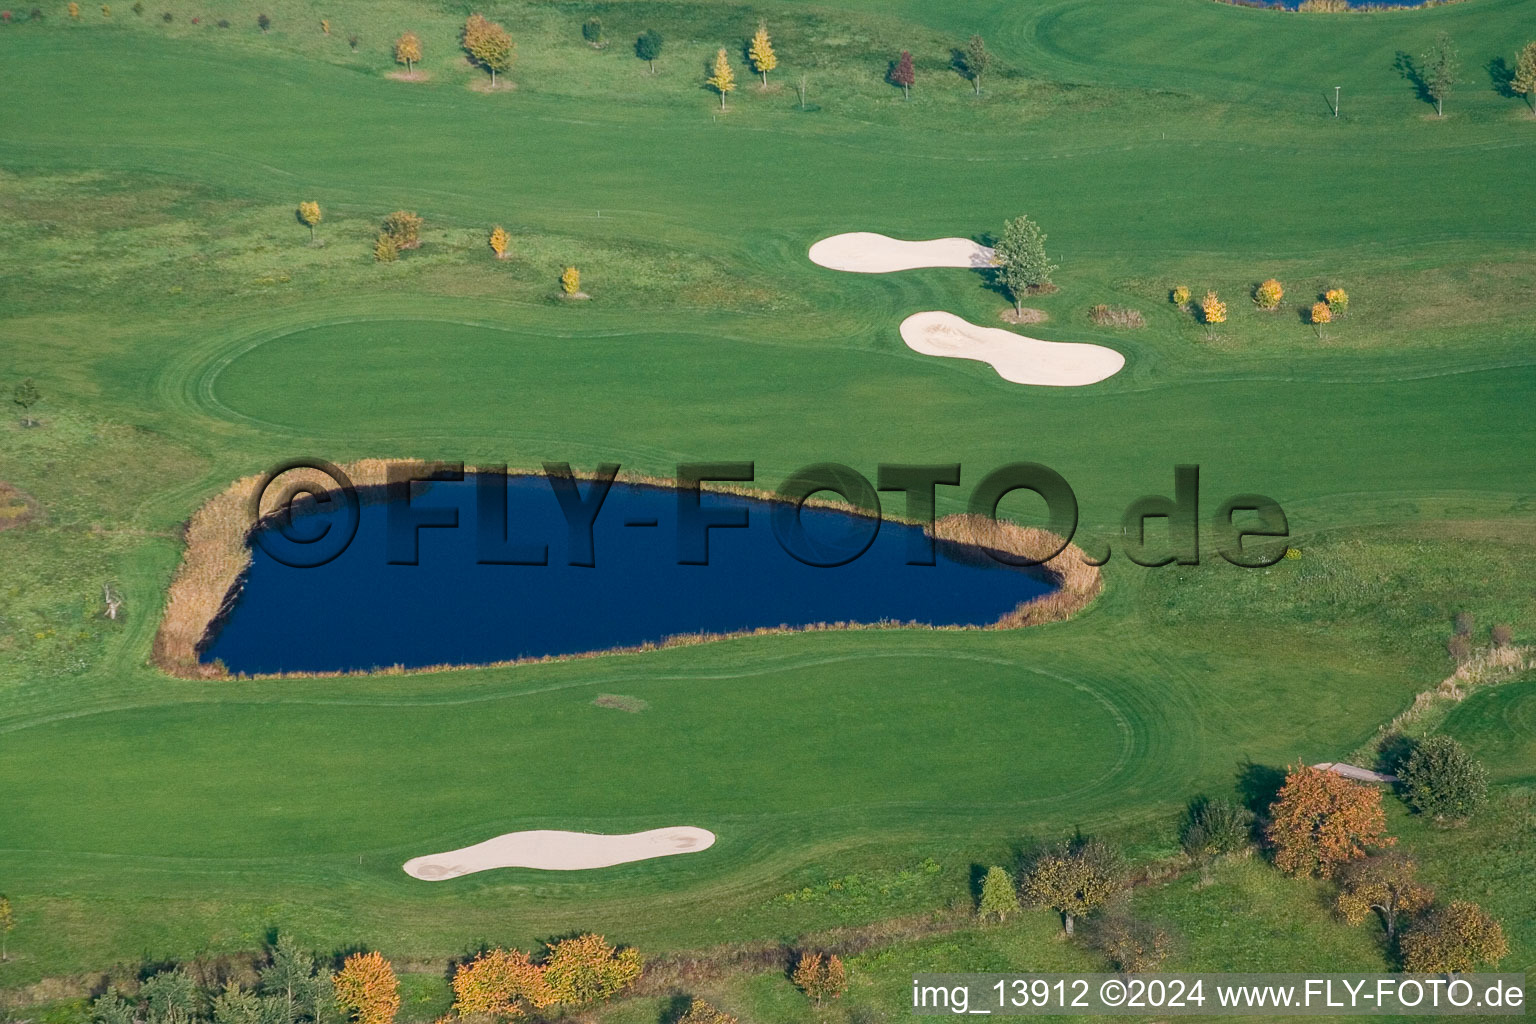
(864, 252)
(553, 850)
(1016, 358)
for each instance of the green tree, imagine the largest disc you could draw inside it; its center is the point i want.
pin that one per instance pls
(236, 1005)
(1439, 67)
(1075, 879)
(976, 61)
(648, 47)
(1460, 937)
(998, 895)
(111, 1008)
(1021, 260)
(592, 31)
(288, 979)
(1443, 781)
(7, 922)
(171, 997)
(26, 395)
(1524, 80)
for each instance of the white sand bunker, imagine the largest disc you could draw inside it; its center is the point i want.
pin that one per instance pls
(1016, 358)
(864, 252)
(552, 850)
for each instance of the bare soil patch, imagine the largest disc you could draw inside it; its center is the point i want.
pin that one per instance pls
(1026, 315)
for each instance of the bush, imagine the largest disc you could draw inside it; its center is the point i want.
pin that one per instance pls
(138, 7)
(386, 249)
(1115, 316)
(167, 17)
(1502, 635)
(1464, 623)
(1179, 296)
(263, 22)
(1459, 647)
(405, 228)
(1217, 827)
(1212, 311)
(592, 31)
(1269, 294)
(701, 1012)
(1338, 301)
(1132, 945)
(1443, 781)
(223, 23)
(1460, 937)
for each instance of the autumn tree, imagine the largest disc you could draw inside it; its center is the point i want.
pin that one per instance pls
(1268, 295)
(586, 969)
(1021, 260)
(1338, 301)
(500, 983)
(975, 61)
(499, 241)
(820, 977)
(404, 227)
(570, 281)
(1439, 69)
(1134, 946)
(722, 79)
(998, 894)
(367, 989)
(74, 9)
(386, 249)
(1322, 316)
(7, 922)
(488, 44)
(309, 216)
(1443, 781)
(408, 51)
(1523, 82)
(904, 75)
(1074, 879)
(702, 1012)
(1212, 312)
(761, 53)
(648, 47)
(1180, 295)
(1460, 937)
(1385, 883)
(26, 395)
(592, 31)
(1321, 821)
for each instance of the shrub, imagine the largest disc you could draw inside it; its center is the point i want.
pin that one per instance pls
(1116, 316)
(1338, 301)
(1216, 827)
(1179, 296)
(1502, 635)
(1464, 623)
(223, 23)
(36, 14)
(1459, 937)
(1443, 781)
(263, 22)
(1324, 6)
(998, 895)
(499, 983)
(1459, 647)
(592, 31)
(167, 17)
(1132, 945)
(499, 241)
(386, 249)
(1212, 312)
(1269, 294)
(587, 969)
(820, 977)
(404, 227)
(701, 1012)
(74, 10)
(138, 7)
(366, 987)
(570, 281)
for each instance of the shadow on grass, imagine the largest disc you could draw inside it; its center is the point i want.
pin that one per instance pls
(1258, 785)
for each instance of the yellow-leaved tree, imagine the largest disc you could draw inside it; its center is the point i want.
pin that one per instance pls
(501, 983)
(309, 216)
(1212, 311)
(408, 51)
(386, 249)
(1268, 295)
(763, 58)
(1338, 301)
(586, 970)
(499, 241)
(722, 79)
(1179, 295)
(367, 989)
(488, 44)
(74, 10)
(1322, 316)
(570, 281)
(325, 25)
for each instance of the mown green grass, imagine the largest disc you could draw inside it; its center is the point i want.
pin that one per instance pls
(155, 283)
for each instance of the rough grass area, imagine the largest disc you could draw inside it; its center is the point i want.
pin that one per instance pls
(619, 702)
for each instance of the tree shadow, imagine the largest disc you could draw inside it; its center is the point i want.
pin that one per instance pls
(1502, 76)
(673, 1008)
(978, 878)
(1258, 785)
(1394, 753)
(1408, 68)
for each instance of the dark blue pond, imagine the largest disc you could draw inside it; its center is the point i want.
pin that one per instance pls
(359, 611)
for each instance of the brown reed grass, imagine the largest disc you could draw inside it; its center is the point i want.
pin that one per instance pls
(209, 580)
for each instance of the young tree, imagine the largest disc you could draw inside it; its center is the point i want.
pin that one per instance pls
(263, 22)
(1443, 781)
(1179, 296)
(976, 61)
(325, 26)
(404, 226)
(722, 79)
(499, 241)
(701, 1012)
(1320, 821)
(367, 989)
(7, 922)
(408, 51)
(1385, 883)
(1523, 82)
(1212, 312)
(1439, 67)
(820, 977)
(236, 1005)
(111, 1008)
(309, 216)
(1322, 316)
(761, 53)
(1074, 879)
(903, 74)
(501, 983)
(288, 980)
(998, 895)
(1338, 301)
(171, 997)
(586, 970)
(1268, 295)
(648, 47)
(592, 31)
(386, 249)
(570, 281)
(1460, 937)
(1132, 945)
(26, 395)
(488, 44)
(1021, 260)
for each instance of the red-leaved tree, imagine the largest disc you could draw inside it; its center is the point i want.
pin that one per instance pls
(1321, 820)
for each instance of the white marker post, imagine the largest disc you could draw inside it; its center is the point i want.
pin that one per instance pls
(1336, 101)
